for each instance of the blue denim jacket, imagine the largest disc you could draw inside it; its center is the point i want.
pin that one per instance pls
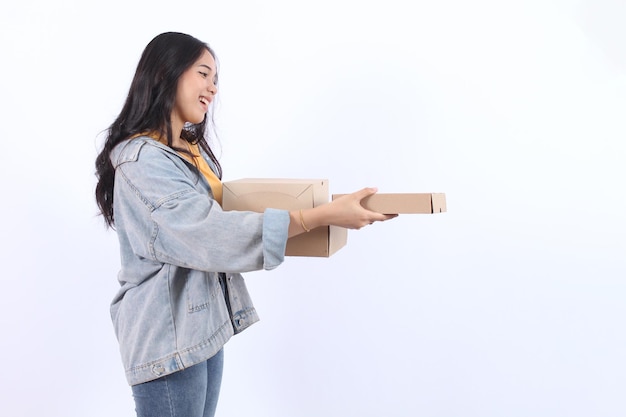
(182, 296)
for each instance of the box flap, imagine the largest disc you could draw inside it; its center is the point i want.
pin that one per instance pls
(439, 202)
(257, 194)
(259, 201)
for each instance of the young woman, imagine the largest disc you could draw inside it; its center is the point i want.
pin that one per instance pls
(182, 296)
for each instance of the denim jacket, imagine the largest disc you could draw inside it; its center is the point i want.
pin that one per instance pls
(182, 296)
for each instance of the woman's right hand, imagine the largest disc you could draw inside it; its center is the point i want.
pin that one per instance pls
(346, 211)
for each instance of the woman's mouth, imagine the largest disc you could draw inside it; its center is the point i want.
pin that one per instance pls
(205, 103)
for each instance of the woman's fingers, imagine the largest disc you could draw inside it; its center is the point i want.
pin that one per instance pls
(365, 216)
(365, 192)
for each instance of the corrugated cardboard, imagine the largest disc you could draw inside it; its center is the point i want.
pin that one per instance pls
(404, 203)
(257, 194)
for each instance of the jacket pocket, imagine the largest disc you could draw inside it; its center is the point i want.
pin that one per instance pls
(202, 291)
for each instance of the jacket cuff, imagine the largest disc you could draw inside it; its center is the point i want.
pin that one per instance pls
(275, 233)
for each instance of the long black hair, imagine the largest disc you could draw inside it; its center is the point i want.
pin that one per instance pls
(149, 105)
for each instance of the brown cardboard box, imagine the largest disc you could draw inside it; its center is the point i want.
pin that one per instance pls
(404, 203)
(257, 194)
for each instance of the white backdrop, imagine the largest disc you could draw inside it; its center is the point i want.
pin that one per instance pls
(510, 304)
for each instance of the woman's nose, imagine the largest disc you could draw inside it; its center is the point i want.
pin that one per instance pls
(212, 88)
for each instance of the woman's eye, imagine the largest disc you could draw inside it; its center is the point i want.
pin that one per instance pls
(204, 74)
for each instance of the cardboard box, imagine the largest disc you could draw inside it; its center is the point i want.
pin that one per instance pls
(404, 203)
(257, 194)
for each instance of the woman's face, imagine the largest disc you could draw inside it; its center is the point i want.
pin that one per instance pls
(195, 92)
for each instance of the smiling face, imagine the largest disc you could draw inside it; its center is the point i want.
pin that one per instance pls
(195, 92)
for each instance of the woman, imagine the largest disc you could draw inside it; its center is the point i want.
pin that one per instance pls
(182, 296)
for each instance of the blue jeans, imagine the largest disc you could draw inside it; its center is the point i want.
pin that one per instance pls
(192, 392)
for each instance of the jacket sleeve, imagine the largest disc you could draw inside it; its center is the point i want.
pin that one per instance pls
(188, 228)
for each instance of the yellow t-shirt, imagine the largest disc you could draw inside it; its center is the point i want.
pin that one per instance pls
(205, 169)
(199, 162)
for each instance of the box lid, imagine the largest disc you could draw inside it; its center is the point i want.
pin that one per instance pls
(404, 203)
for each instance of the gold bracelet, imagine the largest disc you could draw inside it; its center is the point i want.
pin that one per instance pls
(306, 229)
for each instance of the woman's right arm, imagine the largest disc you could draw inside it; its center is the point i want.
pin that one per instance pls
(346, 211)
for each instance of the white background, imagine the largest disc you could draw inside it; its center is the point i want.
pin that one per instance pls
(510, 304)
